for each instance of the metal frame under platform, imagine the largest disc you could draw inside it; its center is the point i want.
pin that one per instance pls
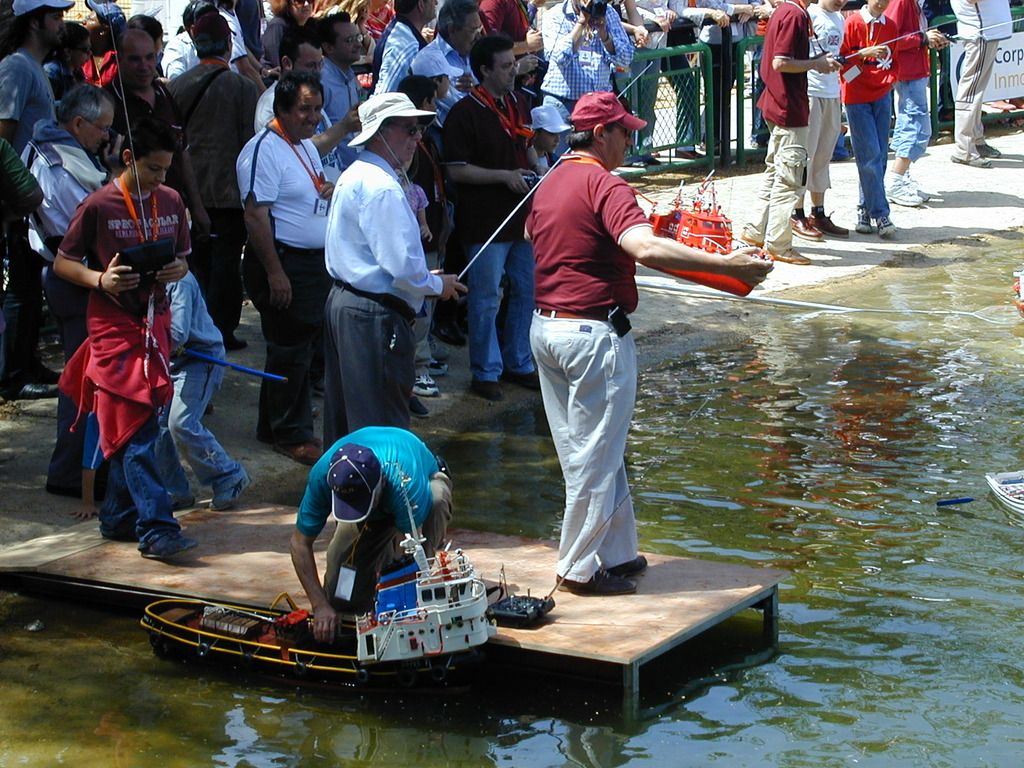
(243, 558)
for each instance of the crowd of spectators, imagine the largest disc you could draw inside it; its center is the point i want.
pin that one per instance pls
(353, 166)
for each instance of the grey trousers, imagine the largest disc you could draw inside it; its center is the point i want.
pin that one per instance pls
(369, 353)
(979, 56)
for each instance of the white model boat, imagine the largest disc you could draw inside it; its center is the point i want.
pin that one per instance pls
(426, 608)
(1008, 488)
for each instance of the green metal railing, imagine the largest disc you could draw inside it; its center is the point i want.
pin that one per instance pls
(739, 58)
(685, 94)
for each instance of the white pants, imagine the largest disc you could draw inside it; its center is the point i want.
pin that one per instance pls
(822, 132)
(588, 382)
(979, 56)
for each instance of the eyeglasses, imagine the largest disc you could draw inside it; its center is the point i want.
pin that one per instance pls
(301, 2)
(412, 130)
(353, 39)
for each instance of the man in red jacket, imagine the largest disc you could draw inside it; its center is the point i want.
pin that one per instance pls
(913, 125)
(784, 104)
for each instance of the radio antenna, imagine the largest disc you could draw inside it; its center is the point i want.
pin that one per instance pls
(146, 223)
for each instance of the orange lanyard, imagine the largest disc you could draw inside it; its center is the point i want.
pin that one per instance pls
(318, 181)
(585, 159)
(154, 221)
(509, 118)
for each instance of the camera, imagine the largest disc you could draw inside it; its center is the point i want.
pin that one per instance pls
(596, 9)
(531, 179)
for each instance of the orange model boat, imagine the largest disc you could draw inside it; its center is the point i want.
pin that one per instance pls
(702, 226)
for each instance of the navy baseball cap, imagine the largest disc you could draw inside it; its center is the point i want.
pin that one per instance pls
(355, 479)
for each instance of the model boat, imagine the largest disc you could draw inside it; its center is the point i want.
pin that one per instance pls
(1017, 300)
(701, 224)
(428, 622)
(1008, 488)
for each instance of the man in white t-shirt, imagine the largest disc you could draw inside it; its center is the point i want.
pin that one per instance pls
(300, 52)
(286, 199)
(981, 24)
(824, 122)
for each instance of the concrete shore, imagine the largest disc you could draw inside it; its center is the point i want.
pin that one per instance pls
(969, 202)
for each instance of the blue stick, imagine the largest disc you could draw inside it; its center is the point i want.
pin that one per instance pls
(236, 366)
(950, 502)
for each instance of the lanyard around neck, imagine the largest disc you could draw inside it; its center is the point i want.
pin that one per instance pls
(508, 117)
(318, 180)
(154, 221)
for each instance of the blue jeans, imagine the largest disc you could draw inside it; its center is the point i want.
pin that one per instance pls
(136, 504)
(489, 357)
(869, 132)
(913, 126)
(182, 429)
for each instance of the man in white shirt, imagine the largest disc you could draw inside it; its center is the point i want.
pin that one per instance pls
(300, 52)
(286, 199)
(242, 62)
(179, 55)
(400, 42)
(981, 24)
(380, 274)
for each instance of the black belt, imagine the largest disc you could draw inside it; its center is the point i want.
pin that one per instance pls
(384, 299)
(279, 246)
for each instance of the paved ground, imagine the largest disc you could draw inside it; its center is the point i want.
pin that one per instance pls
(970, 202)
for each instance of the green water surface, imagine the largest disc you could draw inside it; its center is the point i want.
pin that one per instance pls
(815, 443)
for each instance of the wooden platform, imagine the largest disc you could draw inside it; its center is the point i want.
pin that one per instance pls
(243, 558)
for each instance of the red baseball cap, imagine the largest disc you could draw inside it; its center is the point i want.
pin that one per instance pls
(602, 108)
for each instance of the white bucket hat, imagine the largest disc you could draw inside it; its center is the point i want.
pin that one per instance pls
(376, 109)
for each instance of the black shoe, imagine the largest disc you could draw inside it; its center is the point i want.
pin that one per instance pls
(450, 333)
(601, 583)
(417, 408)
(232, 343)
(169, 546)
(633, 567)
(119, 535)
(35, 391)
(528, 380)
(488, 390)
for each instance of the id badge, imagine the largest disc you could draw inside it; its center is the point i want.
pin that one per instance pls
(320, 207)
(346, 583)
(851, 73)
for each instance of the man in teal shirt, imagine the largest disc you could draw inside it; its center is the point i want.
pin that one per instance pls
(378, 483)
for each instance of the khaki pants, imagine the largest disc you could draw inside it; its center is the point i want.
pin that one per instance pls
(822, 133)
(782, 186)
(372, 545)
(979, 56)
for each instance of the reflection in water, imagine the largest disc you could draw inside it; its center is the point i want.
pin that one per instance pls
(819, 446)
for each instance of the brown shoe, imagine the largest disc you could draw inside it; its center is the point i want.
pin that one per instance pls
(803, 228)
(304, 453)
(824, 224)
(792, 256)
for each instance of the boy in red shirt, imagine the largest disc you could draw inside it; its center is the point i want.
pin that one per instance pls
(866, 85)
(121, 373)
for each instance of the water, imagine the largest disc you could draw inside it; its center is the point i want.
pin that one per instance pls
(819, 445)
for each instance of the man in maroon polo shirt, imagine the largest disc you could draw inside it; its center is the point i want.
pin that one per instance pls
(588, 235)
(784, 104)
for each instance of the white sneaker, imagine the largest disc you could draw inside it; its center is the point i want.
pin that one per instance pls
(898, 191)
(912, 183)
(437, 368)
(425, 386)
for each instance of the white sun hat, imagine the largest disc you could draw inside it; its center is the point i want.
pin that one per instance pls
(376, 109)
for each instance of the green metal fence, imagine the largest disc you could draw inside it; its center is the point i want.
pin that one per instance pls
(676, 100)
(739, 59)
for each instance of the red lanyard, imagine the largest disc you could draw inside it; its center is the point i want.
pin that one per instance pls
(154, 222)
(318, 181)
(509, 118)
(438, 176)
